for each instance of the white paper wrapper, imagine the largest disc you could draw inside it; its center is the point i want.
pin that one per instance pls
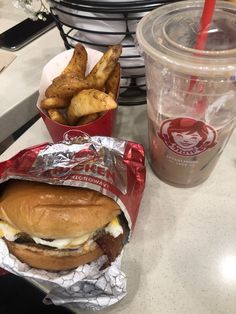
(86, 287)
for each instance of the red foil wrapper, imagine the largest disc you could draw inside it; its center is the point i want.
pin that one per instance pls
(113, 167)
(3, 272)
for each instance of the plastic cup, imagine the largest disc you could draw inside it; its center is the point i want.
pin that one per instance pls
(103, 126)
(188, 127)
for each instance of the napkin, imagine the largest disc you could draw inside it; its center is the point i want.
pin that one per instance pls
(6, 59)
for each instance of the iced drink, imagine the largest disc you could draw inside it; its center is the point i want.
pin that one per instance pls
(184, 170)
(191, 94)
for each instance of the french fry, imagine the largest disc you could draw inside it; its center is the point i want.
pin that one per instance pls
(87, 102)
(65, 78)
(102, 70)
(89, 118)
(84, 98)
(67, 88)
(74, 72)
(78, 62)
(56, 116)
(54, 103)
(113, 82)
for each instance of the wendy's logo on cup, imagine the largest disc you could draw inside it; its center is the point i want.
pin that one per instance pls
(187, 136)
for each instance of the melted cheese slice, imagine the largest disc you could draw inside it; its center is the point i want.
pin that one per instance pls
(114, 228)
(66, 243)
(10, 233)
(7, 231)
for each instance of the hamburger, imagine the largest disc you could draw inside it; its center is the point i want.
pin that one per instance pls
(57, 228)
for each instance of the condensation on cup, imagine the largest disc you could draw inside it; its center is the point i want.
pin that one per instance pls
(191, 94)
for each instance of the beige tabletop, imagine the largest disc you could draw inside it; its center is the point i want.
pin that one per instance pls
(182, 256)
(20, 80)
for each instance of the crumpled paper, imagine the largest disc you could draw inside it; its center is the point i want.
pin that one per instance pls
(86, 287)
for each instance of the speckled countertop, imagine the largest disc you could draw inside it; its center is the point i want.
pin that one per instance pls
(182, 257)
(19, 82)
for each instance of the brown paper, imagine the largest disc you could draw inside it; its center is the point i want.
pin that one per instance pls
(6, 59)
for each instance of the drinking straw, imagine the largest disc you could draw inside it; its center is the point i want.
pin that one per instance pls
(205, 22)
(201, 41)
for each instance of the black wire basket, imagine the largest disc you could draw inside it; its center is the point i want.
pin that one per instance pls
(99, 24)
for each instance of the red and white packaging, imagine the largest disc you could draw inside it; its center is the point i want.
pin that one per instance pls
(113, 167)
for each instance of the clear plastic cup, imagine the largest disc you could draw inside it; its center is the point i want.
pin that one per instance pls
(191, 94)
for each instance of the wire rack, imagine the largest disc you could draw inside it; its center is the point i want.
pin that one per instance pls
(99, 24)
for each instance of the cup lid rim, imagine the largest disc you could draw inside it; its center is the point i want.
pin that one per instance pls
(185, 59)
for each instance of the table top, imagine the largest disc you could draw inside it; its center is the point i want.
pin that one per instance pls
(19, 82)
(182, 256)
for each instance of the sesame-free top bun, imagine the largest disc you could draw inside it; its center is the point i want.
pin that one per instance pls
(53, 212)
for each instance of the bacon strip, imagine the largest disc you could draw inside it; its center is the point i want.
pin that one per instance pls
(111, 246)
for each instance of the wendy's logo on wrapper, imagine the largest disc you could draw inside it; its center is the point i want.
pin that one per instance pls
(187, 136)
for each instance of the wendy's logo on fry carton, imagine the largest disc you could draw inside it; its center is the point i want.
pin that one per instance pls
(75, 135)
(187, 136)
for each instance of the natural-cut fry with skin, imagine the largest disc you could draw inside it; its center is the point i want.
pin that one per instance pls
(87, 102)
(74, 71)
(84, 99)
(65, 78)
(56, 116)
(54, 103)
(113, 82)
(78, 62)
(102, 70)
(67, 89)
(89, 118)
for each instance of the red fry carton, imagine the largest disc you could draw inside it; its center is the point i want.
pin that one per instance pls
(102, 126)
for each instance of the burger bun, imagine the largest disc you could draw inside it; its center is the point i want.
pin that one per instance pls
(52, 260)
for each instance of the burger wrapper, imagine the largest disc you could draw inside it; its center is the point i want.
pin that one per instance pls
(113, 167)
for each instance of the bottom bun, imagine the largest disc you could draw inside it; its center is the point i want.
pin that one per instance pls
(54, 260)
